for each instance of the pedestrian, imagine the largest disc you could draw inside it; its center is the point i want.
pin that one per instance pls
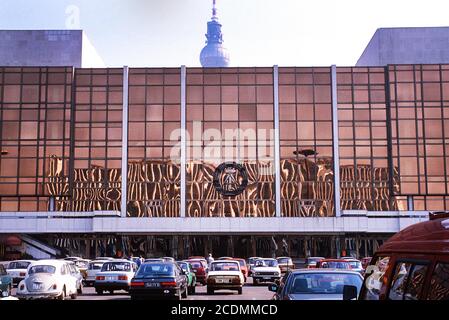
(209, 259)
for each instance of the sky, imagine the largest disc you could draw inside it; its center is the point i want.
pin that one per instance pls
(170, 33)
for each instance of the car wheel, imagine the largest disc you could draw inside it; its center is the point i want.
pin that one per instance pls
(255, 282)
(99, 292)
(210, 291)
(192, 290)
(74, 296)
(185, 295)
(80, 289)
(239, 290)
(9, 290)
(62, 295)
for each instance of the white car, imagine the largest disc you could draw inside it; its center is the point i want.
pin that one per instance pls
(225, 275)
(266, 270)
(93, 268)
(48, 279)
(18, 270)
(115, 275)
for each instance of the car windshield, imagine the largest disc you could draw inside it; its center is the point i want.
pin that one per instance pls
(196, 264)
(224, 266)
(322, 283)
(266, 263)
(42, 269)
(19, 265)
(95, 265)
(335, 265)
(116, 266)
(155, 269)
(355, 264)
(313, 260)
(81, 264)
(284, 260)
(183, 266)
(242, 263)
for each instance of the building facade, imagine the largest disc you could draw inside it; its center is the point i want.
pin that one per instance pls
(47, 48)
(234, 161)
(413, 45)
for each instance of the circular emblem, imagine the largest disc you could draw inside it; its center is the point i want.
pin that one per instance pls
(230, 179)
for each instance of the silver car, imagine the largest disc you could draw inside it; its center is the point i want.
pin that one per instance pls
(317, 284)
(115, 275)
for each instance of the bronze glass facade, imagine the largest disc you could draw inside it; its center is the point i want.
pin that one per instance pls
(61, 140)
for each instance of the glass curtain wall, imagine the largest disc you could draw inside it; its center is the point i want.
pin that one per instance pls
(420, 131)
(35, 113)
(154, 143)
(363, 141)
(305, 113)
(230, 118)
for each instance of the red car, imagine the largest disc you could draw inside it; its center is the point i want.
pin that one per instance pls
(333, 264)
(200, 269)
(243, 267)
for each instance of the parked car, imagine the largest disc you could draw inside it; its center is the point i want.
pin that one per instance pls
(356, 265)
(48, 279)
(153, 260)
(200, 268)
(243, 267)
(285, 263)
(316, 284)
(411, 265)
(225, 275)
(115, 275)
(6, 282)
(225, 258)
(333, 264)
(310, 262)
(75, 271)
(159, 280)
(250, 264)
(18, 269)
(266, 270)
(190, 274)
(93, 268)
(82, 265)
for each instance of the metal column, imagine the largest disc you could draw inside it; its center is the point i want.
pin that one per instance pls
(183, 142)
(125, 144)
(277, 160)
(335, 142)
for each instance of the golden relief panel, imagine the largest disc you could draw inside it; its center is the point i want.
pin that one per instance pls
(307, 189)
(256, 200)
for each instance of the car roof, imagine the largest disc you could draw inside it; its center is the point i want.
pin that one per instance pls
(334, 260)
(120, 260)
(49, 262)
(425, 237)
(227, 260)
(324, 270)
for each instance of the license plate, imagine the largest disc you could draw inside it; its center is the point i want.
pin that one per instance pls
(37, 286)
(266, 278)
(110, 278)
(152, 284)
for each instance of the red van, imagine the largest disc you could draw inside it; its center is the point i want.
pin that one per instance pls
(411, 265)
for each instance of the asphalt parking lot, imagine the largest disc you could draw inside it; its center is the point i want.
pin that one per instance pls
(250, 292)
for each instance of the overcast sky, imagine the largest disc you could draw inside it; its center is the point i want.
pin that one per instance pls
(256, 32)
